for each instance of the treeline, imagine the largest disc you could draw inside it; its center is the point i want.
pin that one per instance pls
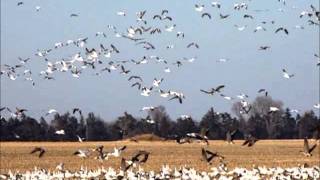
(258, 122)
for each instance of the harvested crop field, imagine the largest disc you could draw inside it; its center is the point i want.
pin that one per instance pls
(270, 153)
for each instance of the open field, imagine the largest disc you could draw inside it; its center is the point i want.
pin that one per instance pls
(284, 153)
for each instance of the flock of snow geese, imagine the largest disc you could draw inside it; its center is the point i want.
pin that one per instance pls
(99, 59)
(220, 172)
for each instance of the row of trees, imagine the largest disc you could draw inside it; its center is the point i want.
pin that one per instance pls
(258, 122)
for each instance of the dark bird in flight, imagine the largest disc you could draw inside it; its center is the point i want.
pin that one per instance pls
(208, 155)
(282, 29)
(230, 136)
(114, 48)
(213, 90)
(135, 77)
(202, 136)
(74, 110)
(248, 16)
(249, 141)
(40, 150)
(140, 157)
(124, 71)
(176, 97)
(206, 14)
(193, 44)
(162, 17)
(74, 15)
(263, 90)
(224, 16)
(20, 3)
(306, 149)
(136, 84)
(264, 47)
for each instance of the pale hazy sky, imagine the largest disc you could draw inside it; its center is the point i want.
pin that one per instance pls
(23, 31)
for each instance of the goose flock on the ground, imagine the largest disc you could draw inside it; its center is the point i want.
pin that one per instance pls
(102, 59)
(220, 172)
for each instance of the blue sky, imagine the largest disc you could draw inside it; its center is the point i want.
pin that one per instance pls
(23, 31)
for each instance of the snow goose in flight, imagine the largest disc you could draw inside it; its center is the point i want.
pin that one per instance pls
(202, 136)
(239, 6)
(216, 4)
(317, 106)
(286, 74)
(42, 53)
(305, 13)
(273, 109)
(76, 73)
(51, 111)
(58, 45)
(164, 94)
(199, 8)
(185, 117)
(60, 132)
(121, 13)
(23, 61)
(147, 108)
(259, 28)
(226, 97)
(80, 139)
(167, 70)
(157, 82)
(148, 120)
(18, 111)
(170, 28)
(40, 150)
(296, 111)
(82, 153)
(99, 33)
(146, 91)
(242, 96)
(38, 8)
(298, 27)
(190, 60)
(240, 28)
(117, 151)
(140, 15)
(180, 34)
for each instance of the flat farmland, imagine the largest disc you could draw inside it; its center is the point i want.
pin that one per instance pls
(270, 153)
